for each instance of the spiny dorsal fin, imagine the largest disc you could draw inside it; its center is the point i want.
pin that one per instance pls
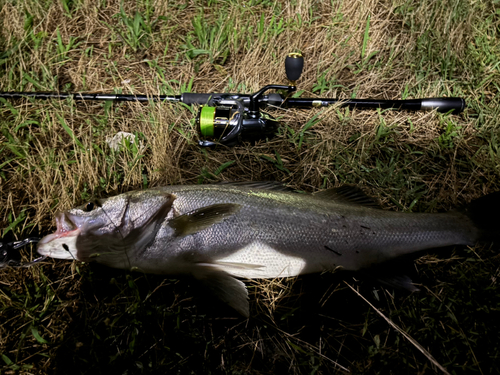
(348, 194)
(263, 185)
(202, 218)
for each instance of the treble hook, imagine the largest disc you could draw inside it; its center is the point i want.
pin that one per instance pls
(10, 255)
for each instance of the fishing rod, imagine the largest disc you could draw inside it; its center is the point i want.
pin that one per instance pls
(226, 118)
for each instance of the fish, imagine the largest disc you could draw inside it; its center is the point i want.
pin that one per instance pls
(222, 234)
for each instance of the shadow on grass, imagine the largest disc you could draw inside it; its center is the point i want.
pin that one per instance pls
(128, 323)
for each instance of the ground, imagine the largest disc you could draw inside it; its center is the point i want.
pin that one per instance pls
(68, 317)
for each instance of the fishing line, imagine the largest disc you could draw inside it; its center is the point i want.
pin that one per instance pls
(65, 247)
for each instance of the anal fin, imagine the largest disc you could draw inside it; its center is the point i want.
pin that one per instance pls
(398, 282)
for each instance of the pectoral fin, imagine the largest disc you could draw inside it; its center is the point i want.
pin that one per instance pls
(225, 287)
(202, 218)
(244, 266)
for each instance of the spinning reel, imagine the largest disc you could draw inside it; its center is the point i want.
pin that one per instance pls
(231, 118)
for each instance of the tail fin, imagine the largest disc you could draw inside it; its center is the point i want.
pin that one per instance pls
(485, 214)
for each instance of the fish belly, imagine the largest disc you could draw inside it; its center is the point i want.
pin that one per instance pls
(259, 260)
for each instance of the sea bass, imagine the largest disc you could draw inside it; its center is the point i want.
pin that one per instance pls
(220, 233)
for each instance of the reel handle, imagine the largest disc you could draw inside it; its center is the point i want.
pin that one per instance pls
(294, 63)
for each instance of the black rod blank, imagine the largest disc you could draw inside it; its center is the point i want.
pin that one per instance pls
(89, 96)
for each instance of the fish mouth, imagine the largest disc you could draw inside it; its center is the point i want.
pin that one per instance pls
(65, 228)
(62, 243)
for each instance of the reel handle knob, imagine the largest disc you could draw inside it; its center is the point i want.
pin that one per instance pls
(294, 63)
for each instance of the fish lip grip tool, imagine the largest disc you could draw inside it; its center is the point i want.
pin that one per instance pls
(10, 255)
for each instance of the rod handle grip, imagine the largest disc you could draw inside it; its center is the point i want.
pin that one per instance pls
(194, 98)
(444, 105)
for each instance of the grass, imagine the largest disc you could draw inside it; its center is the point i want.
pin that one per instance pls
(64, 317)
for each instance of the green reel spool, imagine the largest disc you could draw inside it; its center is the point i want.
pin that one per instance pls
(215, 122)
(206, 118)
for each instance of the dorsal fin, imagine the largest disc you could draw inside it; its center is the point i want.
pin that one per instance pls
(263, 185)
(348, 194)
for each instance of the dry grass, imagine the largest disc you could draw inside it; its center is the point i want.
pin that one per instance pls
(63, 317)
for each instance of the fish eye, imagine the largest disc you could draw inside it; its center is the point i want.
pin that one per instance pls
(89, 207)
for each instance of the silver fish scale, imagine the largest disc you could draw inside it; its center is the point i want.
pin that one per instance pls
(322, 233)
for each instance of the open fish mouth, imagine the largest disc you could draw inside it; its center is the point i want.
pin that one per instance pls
(62, 243)
(65, 228)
